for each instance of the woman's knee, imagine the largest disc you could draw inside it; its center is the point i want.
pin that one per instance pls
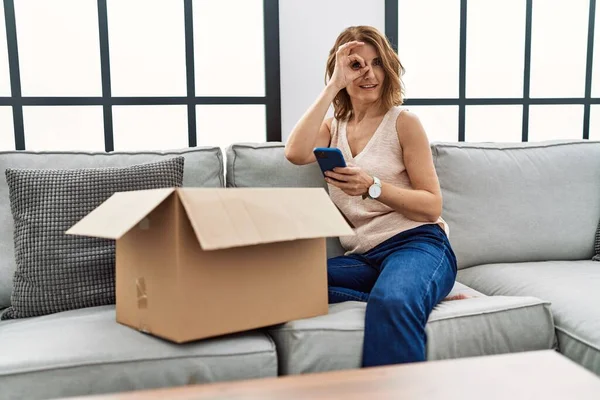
(399, 304)
(421, 277)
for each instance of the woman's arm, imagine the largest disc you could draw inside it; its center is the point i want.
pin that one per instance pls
(421, 203)
(424, 201)
(311, 131)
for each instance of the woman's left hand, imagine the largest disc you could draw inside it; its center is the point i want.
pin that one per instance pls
(352, 180)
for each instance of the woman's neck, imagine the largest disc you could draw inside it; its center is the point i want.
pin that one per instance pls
(360, 111)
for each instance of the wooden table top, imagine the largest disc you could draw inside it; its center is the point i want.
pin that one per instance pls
(530, 375)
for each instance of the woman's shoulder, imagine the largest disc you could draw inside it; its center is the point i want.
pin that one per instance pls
(405, 117)
(400, 111)
(408, 124)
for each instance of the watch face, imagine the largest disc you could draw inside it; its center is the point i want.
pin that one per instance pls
(375, 191)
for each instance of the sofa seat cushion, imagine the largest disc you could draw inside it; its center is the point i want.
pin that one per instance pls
(203, 168)
(573, 289)
(461, 328)
(85, 351)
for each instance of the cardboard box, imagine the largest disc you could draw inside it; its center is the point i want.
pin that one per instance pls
(195, 263)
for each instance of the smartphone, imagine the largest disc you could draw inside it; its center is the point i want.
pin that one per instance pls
(329, 158)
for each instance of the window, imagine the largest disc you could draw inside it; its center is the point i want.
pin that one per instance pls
(495, 54)
(150, 127)
(248, 125)
(433, 72)
(236, 65)
(4, 74)
(137, 74)
(595, 123)
(58, 54)
(7, 138)
(63, 128)
(440, 122)
(558, 57)
(150, 59)
(596, 65)
(554, 122)
(513, 69)
(493, 123)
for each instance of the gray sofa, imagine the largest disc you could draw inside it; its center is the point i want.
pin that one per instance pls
(522, 221)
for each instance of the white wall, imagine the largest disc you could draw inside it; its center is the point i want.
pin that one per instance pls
(307, 31)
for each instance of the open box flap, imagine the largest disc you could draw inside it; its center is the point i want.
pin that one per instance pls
(233, 217)
(121, 212)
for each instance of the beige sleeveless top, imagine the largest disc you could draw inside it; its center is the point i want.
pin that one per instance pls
(373, 221)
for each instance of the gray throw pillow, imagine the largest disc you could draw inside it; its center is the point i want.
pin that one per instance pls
(597, 244)
(58, 272)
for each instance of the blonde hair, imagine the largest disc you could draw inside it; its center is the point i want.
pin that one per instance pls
(393, 88)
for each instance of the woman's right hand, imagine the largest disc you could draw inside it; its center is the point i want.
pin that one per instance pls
(348, 67)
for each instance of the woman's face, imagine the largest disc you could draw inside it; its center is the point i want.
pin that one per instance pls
(368, 87)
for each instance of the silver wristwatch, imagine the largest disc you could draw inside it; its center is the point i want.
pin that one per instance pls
(375, 189)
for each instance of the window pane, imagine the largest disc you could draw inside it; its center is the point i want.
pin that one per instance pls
(493, 123)
(229, 57)
(7, 132)
(428, 46)
(147, 47)
(150, 127)
(222, 125)
(595, 122)
(59, 51)
(596, 60)
(4, 71)
(63, 128)
(558, 48)
(555, 122)
(440, 122)
(495, 61)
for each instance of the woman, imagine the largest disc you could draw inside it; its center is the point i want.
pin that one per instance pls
(400, 261)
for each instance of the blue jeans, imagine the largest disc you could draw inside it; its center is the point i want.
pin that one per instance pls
(402, 280)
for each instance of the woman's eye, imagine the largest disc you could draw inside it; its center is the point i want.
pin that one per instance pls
(356, 65)
(377, 62)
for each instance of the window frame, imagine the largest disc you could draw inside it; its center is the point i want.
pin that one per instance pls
(271, 100)
(391, 31)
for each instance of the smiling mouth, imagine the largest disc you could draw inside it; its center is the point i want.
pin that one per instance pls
(368, 87)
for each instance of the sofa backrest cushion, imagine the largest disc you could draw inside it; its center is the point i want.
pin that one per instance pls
(77, 271)
(203, 168)
(265, 165)
(520, 202)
